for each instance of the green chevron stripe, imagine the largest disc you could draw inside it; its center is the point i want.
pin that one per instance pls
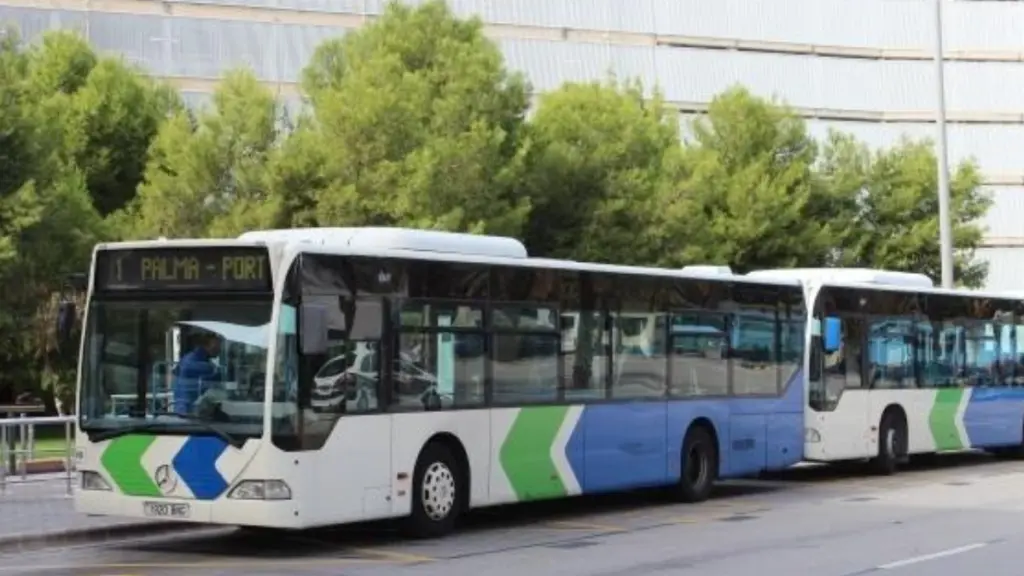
(123, 461)
(526, 453)
(942, 419)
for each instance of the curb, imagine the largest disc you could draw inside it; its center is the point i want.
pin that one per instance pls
(21, 543)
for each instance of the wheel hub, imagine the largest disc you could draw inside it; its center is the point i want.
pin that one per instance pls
(438, 494)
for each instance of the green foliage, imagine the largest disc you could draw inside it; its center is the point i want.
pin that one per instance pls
(414, 120)
(602, 163)
(420, 125)
(750, 186)
(207, 178)
(48, 223)
(891, 208)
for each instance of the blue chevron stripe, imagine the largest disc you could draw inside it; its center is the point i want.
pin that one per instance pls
(196, 465)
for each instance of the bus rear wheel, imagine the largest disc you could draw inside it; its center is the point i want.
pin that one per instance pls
(699, 466)
(437, 493)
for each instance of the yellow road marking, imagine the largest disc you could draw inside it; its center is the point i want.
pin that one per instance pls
(384, 557)
(395, 556)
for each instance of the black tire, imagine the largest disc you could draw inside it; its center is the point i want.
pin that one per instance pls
(892, 445)
(438, 493)
(698, 466)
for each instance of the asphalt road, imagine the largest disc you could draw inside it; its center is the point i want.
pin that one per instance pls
(960, 515)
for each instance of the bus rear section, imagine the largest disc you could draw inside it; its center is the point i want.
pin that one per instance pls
(173, 372)
(899, 371)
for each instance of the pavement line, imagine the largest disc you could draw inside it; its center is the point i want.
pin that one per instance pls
(572, 525)
(696, 518)
(934, 556)
(394, 555)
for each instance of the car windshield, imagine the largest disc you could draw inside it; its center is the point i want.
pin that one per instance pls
(175, 367)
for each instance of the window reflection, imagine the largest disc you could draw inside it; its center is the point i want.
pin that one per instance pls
(441, 356)
(639, 362)
(525, 367)
(585, 347)
(754, 352)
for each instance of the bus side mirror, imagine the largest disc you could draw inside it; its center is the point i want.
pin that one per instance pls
(833, 334)
(67, 314)
(313, 330)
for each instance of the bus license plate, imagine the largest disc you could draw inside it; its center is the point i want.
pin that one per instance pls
(166, 510)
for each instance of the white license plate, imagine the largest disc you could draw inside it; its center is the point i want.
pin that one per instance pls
(166, 509)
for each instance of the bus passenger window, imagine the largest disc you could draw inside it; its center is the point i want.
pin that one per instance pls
(891, 343)
(345, 380)
(440, 359)
(638, 363)
(698, 344)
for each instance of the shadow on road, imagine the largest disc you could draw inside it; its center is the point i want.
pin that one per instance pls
(861, 469)
(257, 543)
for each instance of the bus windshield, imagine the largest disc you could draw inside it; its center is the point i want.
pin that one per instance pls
(183, 366)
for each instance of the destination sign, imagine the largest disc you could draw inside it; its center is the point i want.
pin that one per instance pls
(234, 269)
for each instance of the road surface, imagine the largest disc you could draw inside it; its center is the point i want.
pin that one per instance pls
(962, 515)
(40, 505)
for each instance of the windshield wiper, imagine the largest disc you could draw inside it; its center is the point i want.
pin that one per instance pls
(101, 435)
(236, 442)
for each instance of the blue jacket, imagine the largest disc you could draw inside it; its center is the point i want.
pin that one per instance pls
(194, 371)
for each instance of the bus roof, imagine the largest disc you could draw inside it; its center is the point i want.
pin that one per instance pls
(383, 238)
(459, 247)
(849, 276)
(868, 279)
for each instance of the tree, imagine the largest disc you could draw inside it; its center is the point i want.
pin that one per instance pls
(47, 222)
(602, 161)
(421, 126)
(111, 121)
(103, 113)
(890, 196)
(208, 177)
(749, 187)
(325, 70)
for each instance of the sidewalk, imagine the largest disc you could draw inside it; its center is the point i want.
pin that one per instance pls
(38, 512)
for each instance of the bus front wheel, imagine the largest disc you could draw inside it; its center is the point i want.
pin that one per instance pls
(437, 493)
(892, 443)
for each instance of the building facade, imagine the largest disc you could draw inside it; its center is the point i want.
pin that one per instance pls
(863, 66)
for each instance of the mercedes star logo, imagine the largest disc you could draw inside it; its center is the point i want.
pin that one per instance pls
(165, 479)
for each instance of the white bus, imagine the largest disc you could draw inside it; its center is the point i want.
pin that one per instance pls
(325, 376)
(898, 368)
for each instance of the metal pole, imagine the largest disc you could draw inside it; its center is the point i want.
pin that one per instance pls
(945, 222)
(3, 455)
(69, 458)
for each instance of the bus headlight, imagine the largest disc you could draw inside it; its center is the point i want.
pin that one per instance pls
(811, 435)
(93, 481)
(261, 490)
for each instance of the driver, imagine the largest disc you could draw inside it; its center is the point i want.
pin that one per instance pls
(195, 371)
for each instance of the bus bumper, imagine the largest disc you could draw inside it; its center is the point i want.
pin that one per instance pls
(223, 511)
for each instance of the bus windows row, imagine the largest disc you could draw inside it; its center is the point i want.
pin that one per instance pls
(445, 355)
(898, 353)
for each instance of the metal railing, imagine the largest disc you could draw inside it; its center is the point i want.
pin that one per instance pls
(18, 449)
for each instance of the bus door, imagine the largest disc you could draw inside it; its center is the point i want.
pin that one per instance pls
(845, 407)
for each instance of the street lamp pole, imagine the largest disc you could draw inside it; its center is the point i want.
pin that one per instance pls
(945, 222)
